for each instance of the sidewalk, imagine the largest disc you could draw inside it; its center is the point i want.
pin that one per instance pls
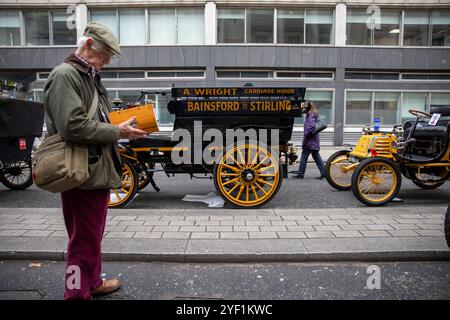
(226, 235)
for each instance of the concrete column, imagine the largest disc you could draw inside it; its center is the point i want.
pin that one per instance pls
(340, 24)
(339, 95)
(82, 18)
(210, 23)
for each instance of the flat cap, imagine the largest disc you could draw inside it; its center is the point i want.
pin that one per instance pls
(102, 33)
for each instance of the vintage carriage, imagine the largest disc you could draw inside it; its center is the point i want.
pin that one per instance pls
(373, 169)
(20, 123)
(247, 171)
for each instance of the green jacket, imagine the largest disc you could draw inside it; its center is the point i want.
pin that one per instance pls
(68, 94)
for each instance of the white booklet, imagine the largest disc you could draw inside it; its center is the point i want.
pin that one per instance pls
(434, 119)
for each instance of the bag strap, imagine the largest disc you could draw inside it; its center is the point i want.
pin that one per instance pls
(94, 105)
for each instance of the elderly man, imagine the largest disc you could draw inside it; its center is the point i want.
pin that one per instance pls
(69, 93)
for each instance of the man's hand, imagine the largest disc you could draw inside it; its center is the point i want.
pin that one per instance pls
(127, 130)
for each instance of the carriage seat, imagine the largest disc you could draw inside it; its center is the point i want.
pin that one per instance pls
(153, 141)
(423, 130)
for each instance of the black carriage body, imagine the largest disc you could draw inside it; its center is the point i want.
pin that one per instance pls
(222, 108)
(20, 122)
(237, 108)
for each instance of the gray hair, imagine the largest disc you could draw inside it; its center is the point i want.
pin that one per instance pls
(96, 45)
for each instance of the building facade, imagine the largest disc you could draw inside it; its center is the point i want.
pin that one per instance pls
(358, 59)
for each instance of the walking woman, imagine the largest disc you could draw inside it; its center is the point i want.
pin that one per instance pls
(311, 142)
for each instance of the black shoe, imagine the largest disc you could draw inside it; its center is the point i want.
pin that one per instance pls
(300, 176)
(320, 178)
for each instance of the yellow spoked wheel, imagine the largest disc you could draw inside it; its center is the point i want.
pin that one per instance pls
(248, 175)
(339, 170)
(376, 181)
(121, 196)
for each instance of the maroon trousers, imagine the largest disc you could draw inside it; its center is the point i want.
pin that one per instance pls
(85, 218)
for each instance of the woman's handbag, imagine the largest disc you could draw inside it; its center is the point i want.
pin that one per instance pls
(320, 126)
(59, 165)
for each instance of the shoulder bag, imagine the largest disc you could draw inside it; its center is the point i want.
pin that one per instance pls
(60, 165)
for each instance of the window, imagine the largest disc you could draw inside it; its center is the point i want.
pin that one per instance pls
(440, 99)
(358, 107)
(132, 25)
(361, 28)
(182, 26)
(388, 34)
(230, 26)
(191, 26)
(441, 28)
(36, 28)
(244, 74)
(175, 74)
(259, 26)
(108, 18)
(324, 103)
(386, 107)
(319, 26)
(42, 75)
(62, 35)
(9, 28)
(304, 75)
(358, 32)
(416, 28)
(350, 75)
(131, 75)
(290, 26)
(162, 114)
(425, 76)
(164, 18)
(414, 101)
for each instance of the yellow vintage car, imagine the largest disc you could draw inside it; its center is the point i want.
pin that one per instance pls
(373, 169)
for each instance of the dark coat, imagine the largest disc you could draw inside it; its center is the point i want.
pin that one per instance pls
(68, 94)
(311, 142)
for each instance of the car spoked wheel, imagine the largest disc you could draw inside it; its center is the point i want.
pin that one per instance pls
(376, 181)
(339, 170)
(248, 175)
(121, 196)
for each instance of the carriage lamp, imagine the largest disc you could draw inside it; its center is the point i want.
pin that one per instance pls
(22, 144)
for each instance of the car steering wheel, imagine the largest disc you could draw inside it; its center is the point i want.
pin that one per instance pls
(419, 113)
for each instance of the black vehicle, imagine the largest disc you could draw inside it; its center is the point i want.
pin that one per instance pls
(20, 123)
(247, 171)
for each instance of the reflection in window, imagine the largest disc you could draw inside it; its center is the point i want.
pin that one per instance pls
(62, 35)
(319, 26)
(358, 108)
(357, 31)
(388, 34)
(386, 107)
(230, 26)
(191, 26)
(290, 26)
(414, 101)
(36, 28)
(9, 28)
(441, 28)
(416, 28)
(259, 26)
(167, 34)
(132, 24)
